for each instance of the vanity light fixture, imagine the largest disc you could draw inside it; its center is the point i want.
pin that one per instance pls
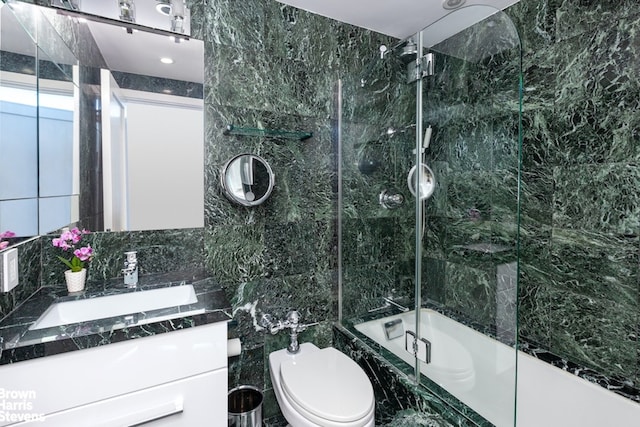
(127, 10)
(177, 16)
(166, 60)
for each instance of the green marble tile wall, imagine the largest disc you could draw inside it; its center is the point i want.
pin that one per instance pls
(268, 65)
(580, 209)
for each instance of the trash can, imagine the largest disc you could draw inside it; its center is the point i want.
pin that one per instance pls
(245, 407)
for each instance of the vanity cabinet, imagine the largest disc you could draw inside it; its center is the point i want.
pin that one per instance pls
(177, 378)
(187, 402)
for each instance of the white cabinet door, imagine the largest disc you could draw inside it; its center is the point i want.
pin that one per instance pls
(52, 384)
(200, 400)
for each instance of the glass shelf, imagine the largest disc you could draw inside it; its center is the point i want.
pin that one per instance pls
(233, 130)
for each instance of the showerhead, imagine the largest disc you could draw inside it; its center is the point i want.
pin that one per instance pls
(409, 51)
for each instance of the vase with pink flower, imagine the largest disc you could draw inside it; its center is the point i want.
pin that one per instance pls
(69, 241)
(5, 235)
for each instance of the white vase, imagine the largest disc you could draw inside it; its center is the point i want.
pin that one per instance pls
(75, 280)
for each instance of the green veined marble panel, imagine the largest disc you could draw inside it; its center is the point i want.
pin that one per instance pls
(536, 23)
(434, 280)
(534, 305)
(603, 267)
(601, 197)
(597, 333)
(225, 22)
(296, 248)
(235, 254)
(595, 98)
(538, 141)
(576, 17)
(364, 287)
(472, 292)
(536, 192)
(377, 93)
(369, 241)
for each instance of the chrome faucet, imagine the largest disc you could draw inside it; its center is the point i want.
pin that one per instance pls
(388, 302)
(292, 322)
(130, 269)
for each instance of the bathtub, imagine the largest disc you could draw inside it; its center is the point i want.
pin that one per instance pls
(480, 372)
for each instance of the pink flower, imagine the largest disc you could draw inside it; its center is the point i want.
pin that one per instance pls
(5, 235)
(61, 243)
(84, 253)
(67, 241)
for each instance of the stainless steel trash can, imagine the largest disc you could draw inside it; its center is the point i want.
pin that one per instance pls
(245, 407)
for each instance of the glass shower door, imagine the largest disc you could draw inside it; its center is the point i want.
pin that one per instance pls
(428, 209)
(468, 116)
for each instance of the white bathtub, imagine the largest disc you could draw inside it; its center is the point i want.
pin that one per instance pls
(480, 372)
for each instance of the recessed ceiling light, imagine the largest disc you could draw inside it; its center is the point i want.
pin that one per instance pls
(166, 60)
(164, 9)
(452, 4)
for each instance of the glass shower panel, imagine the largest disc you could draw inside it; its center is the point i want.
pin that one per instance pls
(467, 262)
(378, 130)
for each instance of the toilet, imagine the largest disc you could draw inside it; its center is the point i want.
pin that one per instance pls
(321, 388)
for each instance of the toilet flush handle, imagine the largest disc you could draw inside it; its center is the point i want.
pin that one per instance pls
(293, 323)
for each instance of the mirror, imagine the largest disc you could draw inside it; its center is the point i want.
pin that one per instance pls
(247, 179)
(37, 126)
(18, 126)
(427, 181)
(111, 123)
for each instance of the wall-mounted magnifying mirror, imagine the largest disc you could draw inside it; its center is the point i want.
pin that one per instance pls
(427, 181)
(247, 179)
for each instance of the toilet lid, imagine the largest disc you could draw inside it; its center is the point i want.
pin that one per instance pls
(329, 385)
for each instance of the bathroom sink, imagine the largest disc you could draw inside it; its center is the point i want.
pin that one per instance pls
(83, 310)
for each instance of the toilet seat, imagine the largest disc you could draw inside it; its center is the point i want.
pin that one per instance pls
(328, 387)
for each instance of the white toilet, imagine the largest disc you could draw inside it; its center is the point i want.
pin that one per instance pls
(321, 388)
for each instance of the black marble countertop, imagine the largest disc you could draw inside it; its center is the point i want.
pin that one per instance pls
(19, 343)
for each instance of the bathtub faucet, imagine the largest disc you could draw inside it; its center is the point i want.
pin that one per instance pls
(292, 322)
(389, 302)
